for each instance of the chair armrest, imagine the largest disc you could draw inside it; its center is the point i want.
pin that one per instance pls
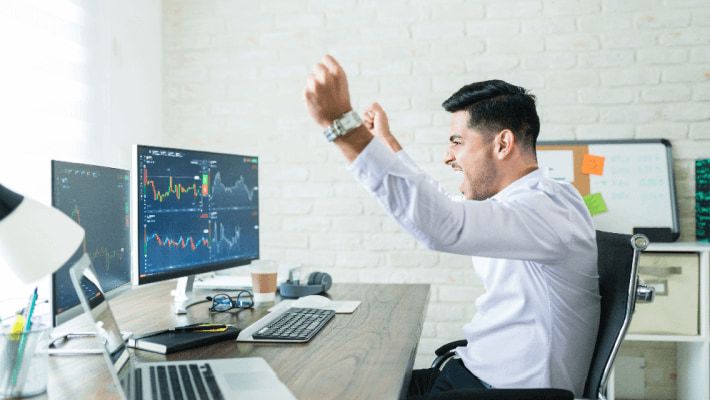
(503, 394)
(450, 346)
(445, 352)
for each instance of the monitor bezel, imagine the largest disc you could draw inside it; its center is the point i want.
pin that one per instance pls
(77, 310)
(181, 273)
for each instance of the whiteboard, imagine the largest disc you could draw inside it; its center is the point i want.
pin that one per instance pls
(627, 183)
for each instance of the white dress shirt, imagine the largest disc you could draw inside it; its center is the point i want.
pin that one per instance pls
(533, 246)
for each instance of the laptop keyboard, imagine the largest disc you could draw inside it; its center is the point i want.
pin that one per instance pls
(299, 324)
(179, 382)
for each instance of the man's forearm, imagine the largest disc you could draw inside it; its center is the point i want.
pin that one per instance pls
(392, 143)
(354, 142)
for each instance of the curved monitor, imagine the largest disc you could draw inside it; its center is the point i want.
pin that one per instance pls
(195, 212)
(98, 199)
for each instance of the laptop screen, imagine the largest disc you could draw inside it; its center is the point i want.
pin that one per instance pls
(95, 304)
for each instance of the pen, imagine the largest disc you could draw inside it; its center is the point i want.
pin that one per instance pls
(200, 328)
(186, 328)
(23, 339)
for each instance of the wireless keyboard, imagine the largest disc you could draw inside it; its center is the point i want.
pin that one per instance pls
(298, 324)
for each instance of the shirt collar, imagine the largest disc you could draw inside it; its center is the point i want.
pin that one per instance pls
(534, 175)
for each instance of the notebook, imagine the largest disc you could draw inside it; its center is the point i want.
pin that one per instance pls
(168, 341)
(229, 378)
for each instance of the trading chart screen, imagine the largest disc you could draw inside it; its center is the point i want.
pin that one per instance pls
(97, 198)
(196, 212)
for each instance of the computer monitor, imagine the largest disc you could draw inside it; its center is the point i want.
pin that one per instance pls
(98, 199)
(195, 212)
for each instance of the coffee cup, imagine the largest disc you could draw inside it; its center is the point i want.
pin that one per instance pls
(263, 280)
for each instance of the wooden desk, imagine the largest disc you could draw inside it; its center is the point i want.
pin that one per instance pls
(365, 355)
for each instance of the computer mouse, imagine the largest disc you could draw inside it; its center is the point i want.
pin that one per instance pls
(314, 301)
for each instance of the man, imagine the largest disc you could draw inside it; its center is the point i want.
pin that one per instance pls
(531, 238)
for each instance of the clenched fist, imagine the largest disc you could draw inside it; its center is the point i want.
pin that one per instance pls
(326, 94)
(375, 119)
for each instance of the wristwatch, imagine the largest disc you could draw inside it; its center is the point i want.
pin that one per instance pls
(341, 126)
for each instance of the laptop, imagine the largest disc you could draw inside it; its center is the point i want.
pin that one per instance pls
(215, 379)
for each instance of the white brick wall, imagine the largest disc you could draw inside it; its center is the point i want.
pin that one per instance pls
(234, 71)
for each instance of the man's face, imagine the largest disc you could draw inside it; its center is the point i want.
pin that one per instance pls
(471, 153)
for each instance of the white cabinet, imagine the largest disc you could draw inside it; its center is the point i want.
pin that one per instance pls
(693, 351)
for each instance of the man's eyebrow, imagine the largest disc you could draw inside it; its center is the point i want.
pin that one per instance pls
(455, 137)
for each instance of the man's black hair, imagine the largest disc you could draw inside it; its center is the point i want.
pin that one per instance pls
(496, 105)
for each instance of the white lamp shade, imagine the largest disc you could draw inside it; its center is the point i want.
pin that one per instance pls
(36, 240)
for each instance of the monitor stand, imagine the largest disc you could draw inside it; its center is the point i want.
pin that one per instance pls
(185, 296)
(223, 283)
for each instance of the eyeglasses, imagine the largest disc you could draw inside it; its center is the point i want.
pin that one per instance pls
(224, 302)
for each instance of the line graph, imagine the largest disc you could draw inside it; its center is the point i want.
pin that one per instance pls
(104, 258)
(174, 249)
(181, 242)
(224, 244)
(236, 195)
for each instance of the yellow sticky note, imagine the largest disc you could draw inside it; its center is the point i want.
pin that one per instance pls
(592, 164)
(17, 327)
(595, 203)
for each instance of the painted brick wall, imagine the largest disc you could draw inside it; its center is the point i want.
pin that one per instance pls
(602, 69)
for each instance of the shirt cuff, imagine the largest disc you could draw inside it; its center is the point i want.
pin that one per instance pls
(372, 164)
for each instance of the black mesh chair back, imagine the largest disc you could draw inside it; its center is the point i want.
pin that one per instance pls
(617, 263)
(619, 289)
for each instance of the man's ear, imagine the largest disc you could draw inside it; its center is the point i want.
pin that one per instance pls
(503, 144)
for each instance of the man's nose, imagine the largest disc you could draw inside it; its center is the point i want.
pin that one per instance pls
(449, 157)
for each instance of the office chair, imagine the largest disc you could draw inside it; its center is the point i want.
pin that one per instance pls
(619, 289)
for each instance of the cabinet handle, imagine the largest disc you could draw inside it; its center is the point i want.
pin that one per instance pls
(660, 271)
(645, 293)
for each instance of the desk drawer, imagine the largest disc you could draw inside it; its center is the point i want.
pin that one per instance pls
(675, 307)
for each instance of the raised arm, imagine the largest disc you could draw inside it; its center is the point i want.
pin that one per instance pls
(328, 98)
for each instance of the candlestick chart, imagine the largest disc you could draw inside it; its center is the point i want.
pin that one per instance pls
(195, 209)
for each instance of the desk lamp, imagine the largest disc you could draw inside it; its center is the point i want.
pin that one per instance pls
(35, 240)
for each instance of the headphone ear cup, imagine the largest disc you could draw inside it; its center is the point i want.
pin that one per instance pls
(314, 278)
(317, 283)
(326, 280)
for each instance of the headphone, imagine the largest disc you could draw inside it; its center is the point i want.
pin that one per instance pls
(318, 282)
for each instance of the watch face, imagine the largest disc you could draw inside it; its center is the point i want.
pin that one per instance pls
(350, 120)
(341, 126)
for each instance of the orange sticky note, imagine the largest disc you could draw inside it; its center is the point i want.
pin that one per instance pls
(593, 165)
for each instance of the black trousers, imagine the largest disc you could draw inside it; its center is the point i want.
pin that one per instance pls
(453, 376)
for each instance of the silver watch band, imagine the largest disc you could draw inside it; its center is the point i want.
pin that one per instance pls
(342, 126)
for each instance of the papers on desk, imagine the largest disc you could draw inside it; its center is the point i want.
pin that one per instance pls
(238, 279)
(339, 306)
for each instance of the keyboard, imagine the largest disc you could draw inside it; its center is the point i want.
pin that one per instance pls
(180, 382)
(299, 324)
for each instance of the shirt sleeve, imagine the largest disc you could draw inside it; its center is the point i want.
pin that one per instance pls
(407, 161)
(515, 229)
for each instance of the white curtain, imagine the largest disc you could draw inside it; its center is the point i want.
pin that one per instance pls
(50, 96)
(50, 91)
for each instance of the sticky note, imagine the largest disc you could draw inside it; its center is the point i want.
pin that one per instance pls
(595, 203)
(593, 165)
